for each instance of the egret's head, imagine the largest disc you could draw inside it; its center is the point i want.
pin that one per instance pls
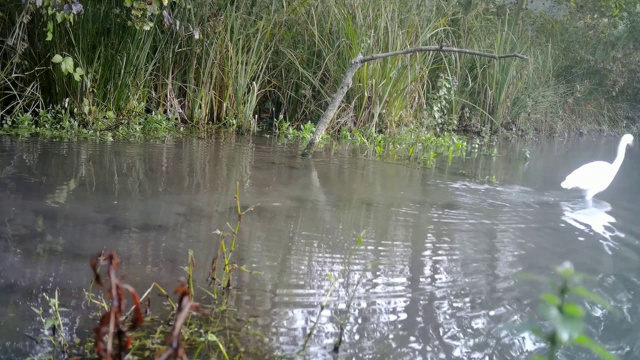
(627, 139)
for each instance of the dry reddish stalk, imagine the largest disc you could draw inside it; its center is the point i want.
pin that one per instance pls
(110, 324)
(185, 305)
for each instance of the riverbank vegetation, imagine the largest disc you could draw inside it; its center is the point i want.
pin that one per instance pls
(123, 68)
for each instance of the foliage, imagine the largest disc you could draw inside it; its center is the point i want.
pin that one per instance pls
(53, 328)
(61, 124)
(565, 318)
(225, 250)
(247, 66)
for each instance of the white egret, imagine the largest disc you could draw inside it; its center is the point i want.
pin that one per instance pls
(596, 176)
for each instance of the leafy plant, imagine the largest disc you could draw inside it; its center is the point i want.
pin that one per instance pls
(110, 329)
(564, 324)
(53, 329)
(225, 250)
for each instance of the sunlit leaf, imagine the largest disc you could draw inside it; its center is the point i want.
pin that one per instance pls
(57, 59)
(79, 71)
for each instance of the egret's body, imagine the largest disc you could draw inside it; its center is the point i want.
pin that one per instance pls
(596, 176)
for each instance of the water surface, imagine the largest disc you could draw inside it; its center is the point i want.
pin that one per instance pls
(448, 240)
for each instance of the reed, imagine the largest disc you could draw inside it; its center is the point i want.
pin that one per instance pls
(242, 65)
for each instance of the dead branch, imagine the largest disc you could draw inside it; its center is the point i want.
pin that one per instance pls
(356, 63)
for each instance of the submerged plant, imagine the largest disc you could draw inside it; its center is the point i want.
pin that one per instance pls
(350, 291)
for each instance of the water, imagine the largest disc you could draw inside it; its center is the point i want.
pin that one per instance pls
(448, 241)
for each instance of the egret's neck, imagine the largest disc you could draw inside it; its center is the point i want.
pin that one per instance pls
(621, 150)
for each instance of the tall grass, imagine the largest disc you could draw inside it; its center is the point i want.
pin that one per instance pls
(240, 65)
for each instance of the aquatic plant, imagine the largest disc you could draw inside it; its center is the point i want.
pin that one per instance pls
(564, 323)
(226, 249)
(110, 329)
(342, 317)
(175, 347)
(53, 329)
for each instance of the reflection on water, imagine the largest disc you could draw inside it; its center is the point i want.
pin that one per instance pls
(592, 216)
(448, 240)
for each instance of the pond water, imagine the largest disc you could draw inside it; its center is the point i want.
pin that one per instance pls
(447, 242)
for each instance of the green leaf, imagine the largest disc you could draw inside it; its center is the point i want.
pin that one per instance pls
(49, 323)
(359, 240)
(59, 17)
(76, 77)
(49, 36)
(67, 65)
(68, 62)
(596, 348)
(572, 309)
(79, 71)
(551, 299)
(57, 59)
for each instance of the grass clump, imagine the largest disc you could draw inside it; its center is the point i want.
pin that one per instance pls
(241, 65)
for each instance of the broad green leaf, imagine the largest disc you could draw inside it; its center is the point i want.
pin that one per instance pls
(68, 61)
(596, 348)
(59, 17)
(76, 77)
(49, 36)
(79, 71)
(57, 59)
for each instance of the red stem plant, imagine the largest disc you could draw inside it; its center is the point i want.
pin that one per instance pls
(110, 325)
